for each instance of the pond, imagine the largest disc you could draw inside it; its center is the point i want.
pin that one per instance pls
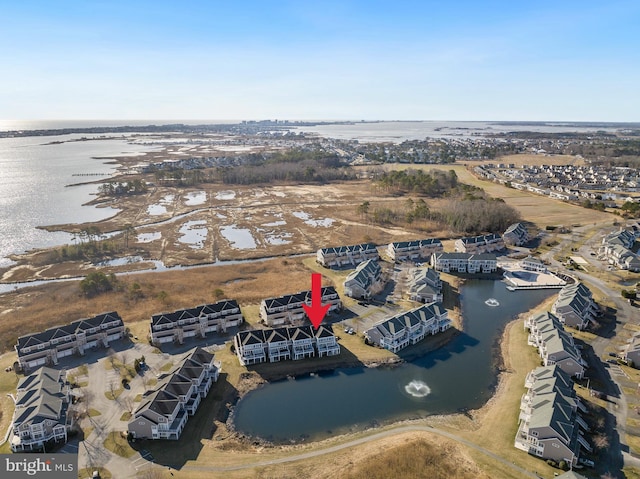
(459, 376)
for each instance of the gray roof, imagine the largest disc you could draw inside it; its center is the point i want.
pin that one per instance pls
(41, 395)
(67, 330)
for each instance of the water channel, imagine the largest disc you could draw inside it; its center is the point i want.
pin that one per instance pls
(458, 376)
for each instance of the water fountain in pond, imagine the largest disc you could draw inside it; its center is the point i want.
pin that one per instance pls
(492, 302)
(417, 389)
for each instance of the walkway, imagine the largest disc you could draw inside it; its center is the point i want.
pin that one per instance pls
(356, 442)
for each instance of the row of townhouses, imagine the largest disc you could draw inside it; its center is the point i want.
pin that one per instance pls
(198, 321)
(365, 281)
(464, 262)
(299, 342)
(164, 411)
(480, 244)
(414, 250)
(424, 285)
(41, 411)
(575, 306)
(288, 308)
(617, 249)
(47, 347)
(409, 327)
(516, 235)
(347, 255)
(551, 426)
(579, 180)
(555, 345)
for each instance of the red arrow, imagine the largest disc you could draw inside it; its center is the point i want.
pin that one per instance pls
(316, 311)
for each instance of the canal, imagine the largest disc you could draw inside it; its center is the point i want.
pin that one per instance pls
(461, 375)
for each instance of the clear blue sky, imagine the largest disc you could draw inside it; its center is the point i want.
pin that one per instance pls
(372, 60)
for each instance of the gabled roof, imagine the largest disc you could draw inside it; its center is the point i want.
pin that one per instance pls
(254, 336)
(298, 333)
(324, 331)
(41, 396)
(276, 335)
(201, 356)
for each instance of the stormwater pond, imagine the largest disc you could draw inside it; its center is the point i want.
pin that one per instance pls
(459, 376)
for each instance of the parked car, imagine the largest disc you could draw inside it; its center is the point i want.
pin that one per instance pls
(586, 462)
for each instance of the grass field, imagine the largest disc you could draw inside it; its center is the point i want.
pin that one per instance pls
(537, 209)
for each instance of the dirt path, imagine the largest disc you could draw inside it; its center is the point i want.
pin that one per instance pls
(357, 442)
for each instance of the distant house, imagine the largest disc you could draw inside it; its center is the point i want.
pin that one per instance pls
(409, 327)
(479, 244)
(163, 412)
(41, 410)
(414, 250)
(198, 321)
(347, 255)
(365, 281)
(516, 235)
(464, 262)
(297, 342)
(533, 264)
(424, 285)
(288, 308)
(48, 347)
(575, 306)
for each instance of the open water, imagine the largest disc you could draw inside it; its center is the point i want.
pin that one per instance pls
(34, 175)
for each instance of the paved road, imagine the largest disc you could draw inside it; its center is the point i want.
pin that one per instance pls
(624, 314)
(391, 432)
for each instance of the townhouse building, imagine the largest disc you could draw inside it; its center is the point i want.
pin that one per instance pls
(296, 342)
(550, 422)
(516, 235)
(531, 263)
(48, 347)
(195, 322)
(398, 332)
(480, 244)
(365, 281)
(424, 285)
(464, 262)
(575, 306)
(288, 308)
(41, 410)
(164, 411)
(347, 255)
(555, 345)
(414, 250)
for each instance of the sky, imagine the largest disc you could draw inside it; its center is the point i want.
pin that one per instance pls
(320, 60)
